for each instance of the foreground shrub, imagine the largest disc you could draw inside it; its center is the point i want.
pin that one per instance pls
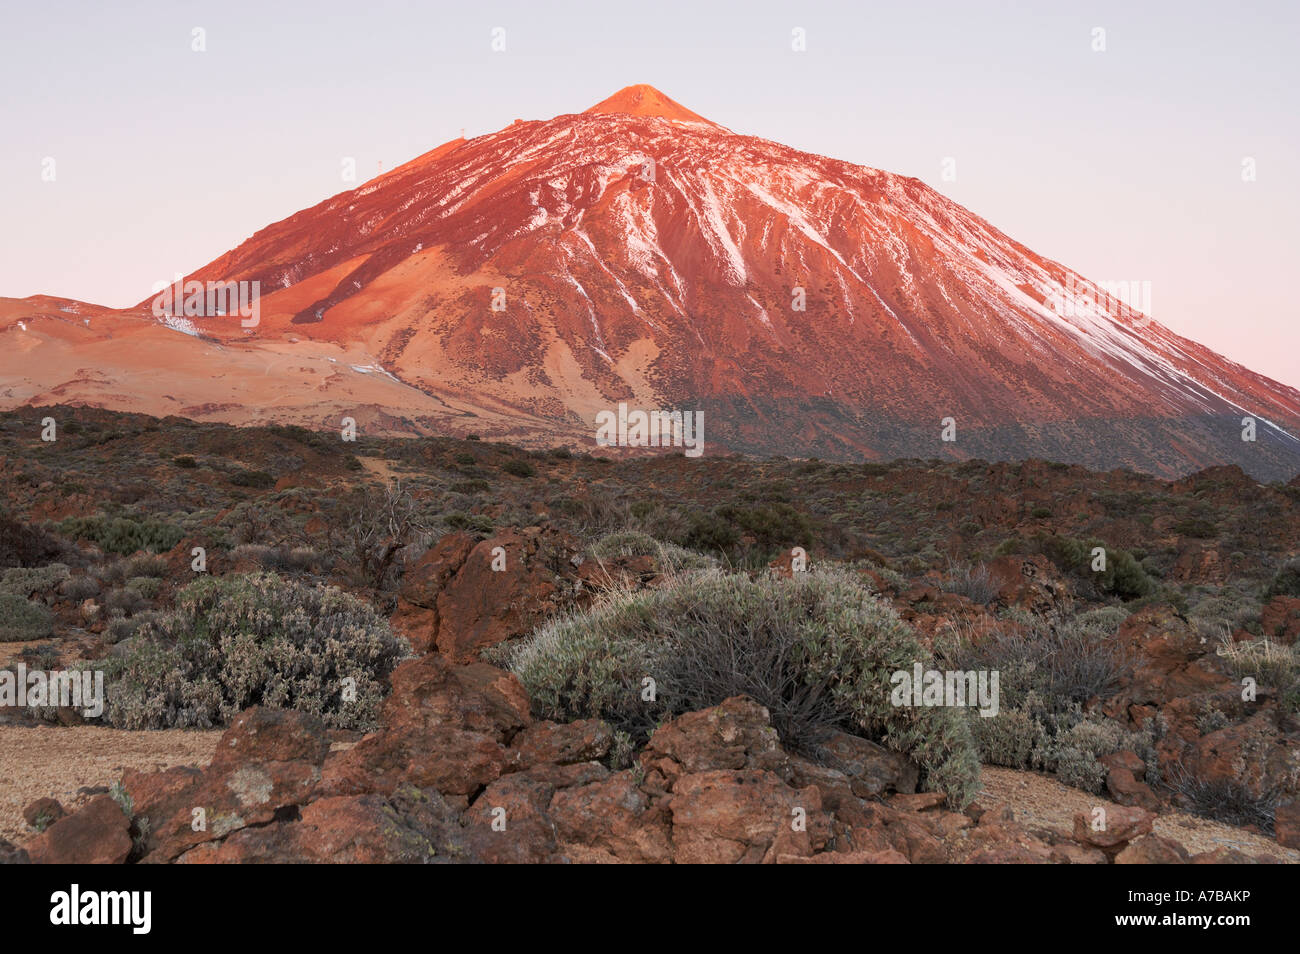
(22, 620)
(817, 650)
(1068, 743)
(1047, 670)
(1073, 753)
(1078, 768)
(237, 641)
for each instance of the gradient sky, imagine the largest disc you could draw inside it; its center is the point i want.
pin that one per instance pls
(1123, 165)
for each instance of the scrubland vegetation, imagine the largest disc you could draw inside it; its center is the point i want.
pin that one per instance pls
(307, 554)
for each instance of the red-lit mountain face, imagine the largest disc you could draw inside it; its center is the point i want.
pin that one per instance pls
(637, 252)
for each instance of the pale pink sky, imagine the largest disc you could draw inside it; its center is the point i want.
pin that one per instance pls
(1123, 164)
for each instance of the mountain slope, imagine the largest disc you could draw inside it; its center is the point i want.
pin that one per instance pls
(645, 254)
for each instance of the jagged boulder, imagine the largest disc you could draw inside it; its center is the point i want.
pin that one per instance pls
(612, 820)
(267, 763)
(485, 592)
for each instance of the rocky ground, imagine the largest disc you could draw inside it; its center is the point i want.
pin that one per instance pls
(464, 766)
(462, 773)
(76, 764)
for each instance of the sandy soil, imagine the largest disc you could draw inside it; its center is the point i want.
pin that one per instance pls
(1041, 802)
(56, 761)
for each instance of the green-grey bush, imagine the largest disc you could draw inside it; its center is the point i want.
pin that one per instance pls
(1009, 738)
(1046, 672)
(1073, 743)
(25, 581)
(123, 535)
(1063, 662)
(1123, 575)
(256, 639)
(22, 620)
(147, 586)
(817, 650)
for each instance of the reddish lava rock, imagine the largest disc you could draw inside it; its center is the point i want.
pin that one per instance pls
(477, 594)
(97, 834)
(1152, 850)
(1125, 789)
(1119, 825)
(43, 812)
(1287, 824)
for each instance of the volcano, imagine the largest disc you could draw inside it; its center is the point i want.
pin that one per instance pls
(517, 284)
